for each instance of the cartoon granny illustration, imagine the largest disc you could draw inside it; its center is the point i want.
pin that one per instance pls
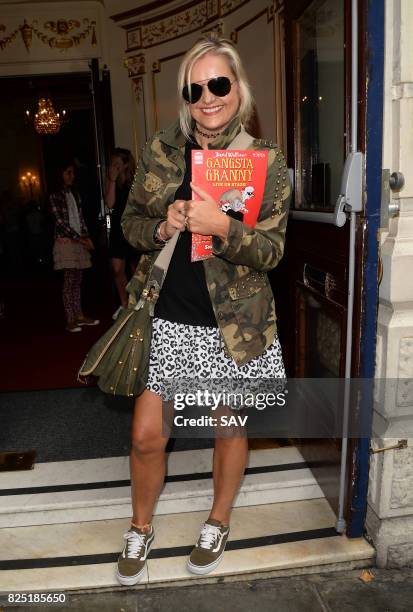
(235, 200)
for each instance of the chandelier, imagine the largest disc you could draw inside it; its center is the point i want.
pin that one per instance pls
(47, 120)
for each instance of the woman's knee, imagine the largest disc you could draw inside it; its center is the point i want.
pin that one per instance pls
(147, 442)
(148, 435)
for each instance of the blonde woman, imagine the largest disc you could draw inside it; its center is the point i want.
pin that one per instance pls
(197, 331)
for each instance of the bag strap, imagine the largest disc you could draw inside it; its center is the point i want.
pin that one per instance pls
(160, 267)
(164, 258)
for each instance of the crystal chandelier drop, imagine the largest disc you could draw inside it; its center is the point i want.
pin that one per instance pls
(47, 120)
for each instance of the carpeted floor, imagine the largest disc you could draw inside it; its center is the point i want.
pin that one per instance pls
(67, 424)
(37, 352)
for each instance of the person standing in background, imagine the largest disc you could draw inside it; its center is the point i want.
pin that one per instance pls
(71, 247)
(123, 256)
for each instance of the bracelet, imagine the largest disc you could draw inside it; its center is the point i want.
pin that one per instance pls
(156, 234)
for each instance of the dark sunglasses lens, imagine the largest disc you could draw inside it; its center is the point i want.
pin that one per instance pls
(193, 93)
(221, 86)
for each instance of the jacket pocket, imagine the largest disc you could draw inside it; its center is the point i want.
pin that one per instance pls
(252, 303)
(247, 285)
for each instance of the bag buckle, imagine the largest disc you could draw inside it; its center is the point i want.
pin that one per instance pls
(149, 294)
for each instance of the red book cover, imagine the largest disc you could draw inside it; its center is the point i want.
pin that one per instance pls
(236, 181)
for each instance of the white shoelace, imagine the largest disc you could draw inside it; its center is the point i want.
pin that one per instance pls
(135, 542)
(209, 536)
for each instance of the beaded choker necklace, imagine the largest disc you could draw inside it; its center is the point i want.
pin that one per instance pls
(205, 135)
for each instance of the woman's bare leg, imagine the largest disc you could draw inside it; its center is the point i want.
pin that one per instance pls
(230, 460)
(147, 458)
(119, 276)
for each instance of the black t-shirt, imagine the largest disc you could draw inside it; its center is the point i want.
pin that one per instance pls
(184, 297)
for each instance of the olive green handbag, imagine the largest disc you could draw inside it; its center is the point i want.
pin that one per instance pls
(120, 358)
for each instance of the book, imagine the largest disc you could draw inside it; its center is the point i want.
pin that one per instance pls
(235, 180)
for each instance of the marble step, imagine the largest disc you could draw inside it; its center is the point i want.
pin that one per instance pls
(290, 537)
(97, 489)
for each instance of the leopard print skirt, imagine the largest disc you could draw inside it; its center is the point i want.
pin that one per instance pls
(180, 351)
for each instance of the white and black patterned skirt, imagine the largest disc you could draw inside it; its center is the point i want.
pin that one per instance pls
(185, 352)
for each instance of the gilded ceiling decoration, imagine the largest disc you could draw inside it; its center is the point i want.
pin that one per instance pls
(62, 37)
(184, 20)
(135, 65)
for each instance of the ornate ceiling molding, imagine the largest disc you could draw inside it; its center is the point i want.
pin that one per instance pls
(176, 22)
(141, 10)
(62, 39)
(228, 6)
(136, 64)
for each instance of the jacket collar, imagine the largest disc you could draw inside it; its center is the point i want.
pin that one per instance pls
(173, 137)
(224, 140)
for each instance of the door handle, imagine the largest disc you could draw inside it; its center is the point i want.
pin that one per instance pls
(349, 200)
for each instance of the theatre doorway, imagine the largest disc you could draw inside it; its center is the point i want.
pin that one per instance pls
(41, 354)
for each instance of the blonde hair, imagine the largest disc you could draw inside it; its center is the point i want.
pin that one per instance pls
(212, 43)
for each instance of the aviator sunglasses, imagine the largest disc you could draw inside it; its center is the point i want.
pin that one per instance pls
(219, 86)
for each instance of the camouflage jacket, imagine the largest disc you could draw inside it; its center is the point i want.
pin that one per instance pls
(236, 277)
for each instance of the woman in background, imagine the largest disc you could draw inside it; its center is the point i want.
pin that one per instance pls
(118, 184)
(71, 247)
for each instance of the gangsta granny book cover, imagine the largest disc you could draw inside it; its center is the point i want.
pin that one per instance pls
(236, 181)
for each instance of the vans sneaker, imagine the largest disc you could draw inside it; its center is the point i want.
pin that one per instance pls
(73, 327)
(87, 321)
(131, 562)
(209, 549)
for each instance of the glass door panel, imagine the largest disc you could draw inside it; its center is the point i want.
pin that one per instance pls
(319, 104)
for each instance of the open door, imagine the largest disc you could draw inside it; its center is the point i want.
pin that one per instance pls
(317, 274)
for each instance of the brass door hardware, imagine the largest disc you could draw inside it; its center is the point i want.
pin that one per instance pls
(401, 444)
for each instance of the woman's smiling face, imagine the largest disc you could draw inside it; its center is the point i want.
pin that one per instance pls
(212, 113)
